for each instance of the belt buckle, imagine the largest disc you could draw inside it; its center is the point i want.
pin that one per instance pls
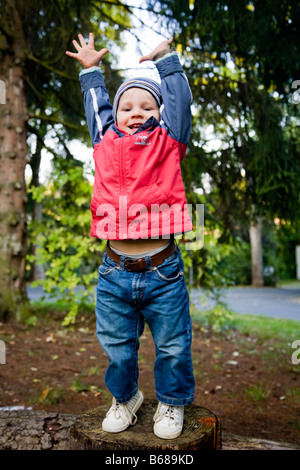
(128, 262)
(131, 263)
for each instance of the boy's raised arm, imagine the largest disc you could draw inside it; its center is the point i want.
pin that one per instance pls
(98, 109)
(175, 89)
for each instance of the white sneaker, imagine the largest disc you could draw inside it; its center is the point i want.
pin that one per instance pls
(168, 421)
(122, 415)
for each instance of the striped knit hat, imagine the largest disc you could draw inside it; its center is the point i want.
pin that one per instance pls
(145, 83)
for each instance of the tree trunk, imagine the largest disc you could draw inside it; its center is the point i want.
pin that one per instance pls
(255, 233)
(37, 270)
(34, 430)
(13, 152)
(42, 430)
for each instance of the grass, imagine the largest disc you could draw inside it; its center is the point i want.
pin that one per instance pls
(44, 310)
(48, 396)
(258, 392)
(44, 307)
(263, 328)
(266, 327)
(293, 283)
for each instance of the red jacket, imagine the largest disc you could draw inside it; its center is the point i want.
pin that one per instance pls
(138, 188)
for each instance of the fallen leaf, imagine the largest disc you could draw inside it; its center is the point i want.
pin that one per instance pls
(69, 369)
(44, 394)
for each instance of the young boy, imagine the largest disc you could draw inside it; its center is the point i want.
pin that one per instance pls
(138, 205)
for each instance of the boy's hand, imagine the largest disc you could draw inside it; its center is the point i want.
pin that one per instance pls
(87, 55)
(161, 47)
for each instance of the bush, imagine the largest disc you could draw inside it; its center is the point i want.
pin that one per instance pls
(69, 255)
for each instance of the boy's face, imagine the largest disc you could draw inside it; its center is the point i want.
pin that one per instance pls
(136, 106)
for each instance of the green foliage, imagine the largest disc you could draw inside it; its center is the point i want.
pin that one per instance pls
(221, 261)
(287, 237)
(241, 58)
(34, 36)
(231, 262)
(262, 36)
(243, 91)
(255, 165)
(70, 256)
(217, 318)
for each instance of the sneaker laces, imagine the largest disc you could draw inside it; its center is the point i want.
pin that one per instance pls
(121, 410)
(170, 412)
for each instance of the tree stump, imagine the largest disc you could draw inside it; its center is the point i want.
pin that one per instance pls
(201, 430)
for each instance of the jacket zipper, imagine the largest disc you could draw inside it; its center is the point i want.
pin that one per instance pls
(122, 167)
(123, 192)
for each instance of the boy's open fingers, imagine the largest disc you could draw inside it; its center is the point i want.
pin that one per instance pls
(76, 45)
(91, 39)
(81, 39)
(103, 52)
(144, 58)
(71, 54)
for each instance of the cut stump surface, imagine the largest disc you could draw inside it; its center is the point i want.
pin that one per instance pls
(201, 431)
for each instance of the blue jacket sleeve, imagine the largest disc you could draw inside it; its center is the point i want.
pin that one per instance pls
(177, 97)
(98, 109)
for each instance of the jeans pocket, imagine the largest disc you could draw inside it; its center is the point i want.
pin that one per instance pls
(106, 271)
(170, 270)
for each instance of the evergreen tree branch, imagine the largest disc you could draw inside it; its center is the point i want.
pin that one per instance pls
(56, 120)
(52, 69)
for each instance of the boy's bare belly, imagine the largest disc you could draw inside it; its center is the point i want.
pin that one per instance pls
(134, 247)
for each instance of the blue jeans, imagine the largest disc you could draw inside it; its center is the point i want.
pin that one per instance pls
(158, 296)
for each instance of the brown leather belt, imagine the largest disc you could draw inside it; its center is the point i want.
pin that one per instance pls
(131, 264)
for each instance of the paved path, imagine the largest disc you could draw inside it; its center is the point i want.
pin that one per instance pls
(266, 301)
